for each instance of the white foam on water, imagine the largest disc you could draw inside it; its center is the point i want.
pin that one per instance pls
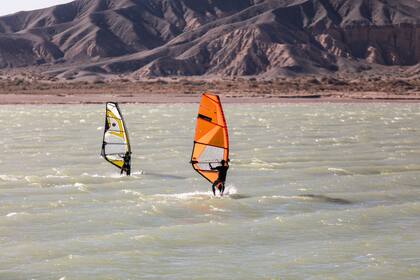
(9, 178)
(215, 209)
(57, 204)
(132, 192)
(141, 237)
(113, 175)
(230, 190)
(32, 179)
(57, 176)
(136, 174)
(57, 171)
(12, 214)
(339, 171)
(64, 186)
(139, 172)
(186, 196)
(80, 186)
(137, 194)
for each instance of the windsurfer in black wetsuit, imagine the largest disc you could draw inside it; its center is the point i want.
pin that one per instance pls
(126, 166)
(220, 182)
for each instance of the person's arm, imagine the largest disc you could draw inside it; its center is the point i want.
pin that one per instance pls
(211, 167)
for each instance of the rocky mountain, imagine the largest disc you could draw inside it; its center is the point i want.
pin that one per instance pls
(149, 38)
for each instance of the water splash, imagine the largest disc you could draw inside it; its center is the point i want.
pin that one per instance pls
(186, 196)
(9, 178)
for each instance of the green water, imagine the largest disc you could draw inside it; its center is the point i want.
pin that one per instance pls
(315, 191)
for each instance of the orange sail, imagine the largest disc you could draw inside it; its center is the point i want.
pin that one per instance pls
(211, 141)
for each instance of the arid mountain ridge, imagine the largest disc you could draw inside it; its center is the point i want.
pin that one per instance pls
(155, 38)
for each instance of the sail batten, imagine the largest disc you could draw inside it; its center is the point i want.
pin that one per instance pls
(116, 144)
(211, 140)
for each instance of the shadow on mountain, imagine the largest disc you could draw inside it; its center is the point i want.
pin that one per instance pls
(212, 37)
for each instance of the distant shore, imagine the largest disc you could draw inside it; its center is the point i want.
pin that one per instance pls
(26, 99)
(288, 90)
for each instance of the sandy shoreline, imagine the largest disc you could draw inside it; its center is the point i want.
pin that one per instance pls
(40, 99)
(297, 90)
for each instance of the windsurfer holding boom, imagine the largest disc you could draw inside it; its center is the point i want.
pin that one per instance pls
(220, 182)
(126, 166)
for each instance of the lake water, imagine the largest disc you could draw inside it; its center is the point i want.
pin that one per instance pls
(315, 191)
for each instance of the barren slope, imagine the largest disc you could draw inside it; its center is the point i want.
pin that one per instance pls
(149, 38)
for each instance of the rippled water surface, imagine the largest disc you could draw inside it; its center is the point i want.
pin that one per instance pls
(315, 191)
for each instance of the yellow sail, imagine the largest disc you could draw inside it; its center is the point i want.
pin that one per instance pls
(116, 143)
(211, 141)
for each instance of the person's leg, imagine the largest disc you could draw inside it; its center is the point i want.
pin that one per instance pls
(222, 188)
(216, 184)
(213, 188)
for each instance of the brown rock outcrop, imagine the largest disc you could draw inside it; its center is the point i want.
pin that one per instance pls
(212, 37)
